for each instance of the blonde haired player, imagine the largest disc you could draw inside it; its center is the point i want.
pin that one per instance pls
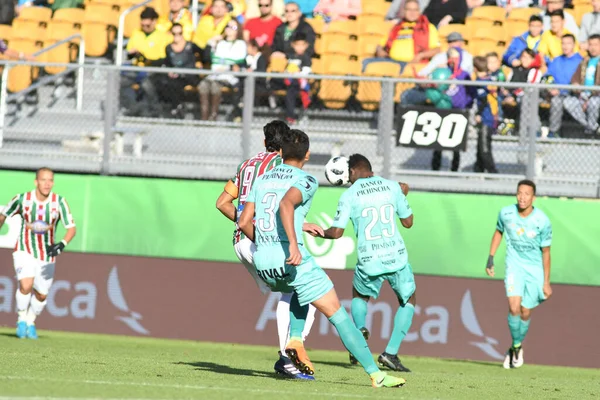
(36, 249)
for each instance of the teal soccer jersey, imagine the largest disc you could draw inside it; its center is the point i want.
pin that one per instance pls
(372, 204)
(267, 192)
(525, 238)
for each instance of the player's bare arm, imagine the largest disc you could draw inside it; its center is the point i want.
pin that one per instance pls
(404, 187)
(546, 260)
(245, 222)
(312, 229)
(496, 240)
(2, 219)
(292, 198)
(225, 201)
(333, 233)
(57, 248)
(407, 222)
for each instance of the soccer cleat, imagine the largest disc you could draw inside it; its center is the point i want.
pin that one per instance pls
(296, 352)
(517, 360)
(392, 362)
(365, 332)
(508, 359)
(381, 379)
(31, 332)
(286, 368)
(21, 329)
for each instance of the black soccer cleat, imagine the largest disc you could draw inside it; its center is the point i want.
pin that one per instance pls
(392, 362)
(366, 334)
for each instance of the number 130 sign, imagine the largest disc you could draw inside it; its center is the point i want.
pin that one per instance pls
(427, 127)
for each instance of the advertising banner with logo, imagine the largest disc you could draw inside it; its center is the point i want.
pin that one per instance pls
(432, 128)
(178, 219)
(455, 317)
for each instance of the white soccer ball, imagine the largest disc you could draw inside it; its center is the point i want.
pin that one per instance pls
(337, 171)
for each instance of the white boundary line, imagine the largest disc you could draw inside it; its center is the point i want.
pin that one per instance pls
(177, 386)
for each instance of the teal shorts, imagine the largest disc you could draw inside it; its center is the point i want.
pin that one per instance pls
(402, 282)
(308, 280)
(531, 289)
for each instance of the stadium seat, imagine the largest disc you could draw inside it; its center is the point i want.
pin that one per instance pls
(337, 43)
(492, 13)
(335, 93)
(373, 25)
(317, 24)
(444, 31)
(409, 72)
(5, 32)
(515, 27)
(473, 24)
(494, 32)
(36, 14)
(20, 77)
(317, 66)
(367, 45)
(72, 15)
(99, 28)
(64, 53)
(369, 93)
(482, 46)
(277, 64)
(376, 7)
(581, 10)
(348, 27)
(132, 21)
(523, 14)
(115, 4)
(29, 30)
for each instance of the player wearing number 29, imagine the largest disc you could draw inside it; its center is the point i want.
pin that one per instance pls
(280, 200)
(372, 203)
(528, 234)
(36, 249)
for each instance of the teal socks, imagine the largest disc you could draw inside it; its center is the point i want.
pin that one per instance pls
(359, 312)
(298, 315)
(353, 340)
(523, 329)
(402, 323)
(514, 324)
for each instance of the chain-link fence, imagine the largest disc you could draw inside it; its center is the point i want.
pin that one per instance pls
(449, 136)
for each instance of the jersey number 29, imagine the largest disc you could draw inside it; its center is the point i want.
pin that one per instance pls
(385, 214)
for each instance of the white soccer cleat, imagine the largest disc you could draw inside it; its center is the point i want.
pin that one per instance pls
(518, 357)
(508, 359)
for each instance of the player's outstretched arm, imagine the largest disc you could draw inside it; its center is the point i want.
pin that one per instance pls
(546, 261)
(496, 240)
(225, 201)
(333, 233)
(245, 222)
(292, 198)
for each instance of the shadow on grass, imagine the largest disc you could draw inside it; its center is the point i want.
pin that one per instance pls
(493, 364)
(8, 334)
(227, 370)
(345, 365)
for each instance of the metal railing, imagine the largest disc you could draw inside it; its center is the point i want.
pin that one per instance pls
(5, 98)
(121, 30)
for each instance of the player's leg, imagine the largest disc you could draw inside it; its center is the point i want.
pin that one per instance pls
(25, 271)
(403, 284)
(363, 288)
(515, 288)
(295, 347)
(244, 250)
(533, 295)
(44, 276)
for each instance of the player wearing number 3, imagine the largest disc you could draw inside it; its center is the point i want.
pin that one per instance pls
(36, 251)
(371, 203)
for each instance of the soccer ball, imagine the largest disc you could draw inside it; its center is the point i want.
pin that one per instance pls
(337, 171)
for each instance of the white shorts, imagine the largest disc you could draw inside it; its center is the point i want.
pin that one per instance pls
(244, 250)
(42, 272)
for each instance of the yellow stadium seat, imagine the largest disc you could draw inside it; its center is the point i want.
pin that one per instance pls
(277, 64)
(523, 14)
(367, 45)
(581, 10)
(348, 27)
(30, 30)
(161, 6)
(115, 4)
(99, 28)
(5, 32)
(376, 7)
(410, 71)
(132, 21)
(335, 93)
(317, 66)
(482, 46)
(369, 93)
(72, 15)
(492, 13)
(98, 12)
(459, 28)
(515, 27)
(337, 43)
(37, 14)
(317, 24)
(64, 53)
(20, 77)
(373, 25)
(474, 24)
(495, 32)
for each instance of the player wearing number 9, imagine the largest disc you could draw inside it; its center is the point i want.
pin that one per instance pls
(372, 203)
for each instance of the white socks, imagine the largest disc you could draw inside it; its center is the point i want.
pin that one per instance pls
(283, 320)
(22, 304)
(35, 308)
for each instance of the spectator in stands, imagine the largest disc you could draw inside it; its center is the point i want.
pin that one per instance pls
(551, 42)
(509, 5)
(528, 40)
(227, 54)
(211, 26)
(590, 24)
(528, 71)
(7, 12)
(235, 8)
(295, 22)
(561, 71)
(16, 54)
(262, 28)
(258, 61)
(177, 14)
(487, 104)
(570, 23)
(444, 12)
(299, 64)
(180, 54)
(253, 11)
(412, 40)
(455, 39)
(396, 11)
(335, 10)
(307, 7)
(584, 106)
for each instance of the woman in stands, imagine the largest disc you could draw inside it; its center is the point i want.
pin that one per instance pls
(227, 53)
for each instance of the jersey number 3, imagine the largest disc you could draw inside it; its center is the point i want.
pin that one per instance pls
(385, 214)
(268, 224)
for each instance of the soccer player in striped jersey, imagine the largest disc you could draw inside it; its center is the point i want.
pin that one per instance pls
(239, 188)
(36, 249)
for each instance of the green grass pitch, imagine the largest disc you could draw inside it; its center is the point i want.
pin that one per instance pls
(68, 365)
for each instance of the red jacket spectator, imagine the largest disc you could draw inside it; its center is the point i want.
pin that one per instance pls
(262, 29)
